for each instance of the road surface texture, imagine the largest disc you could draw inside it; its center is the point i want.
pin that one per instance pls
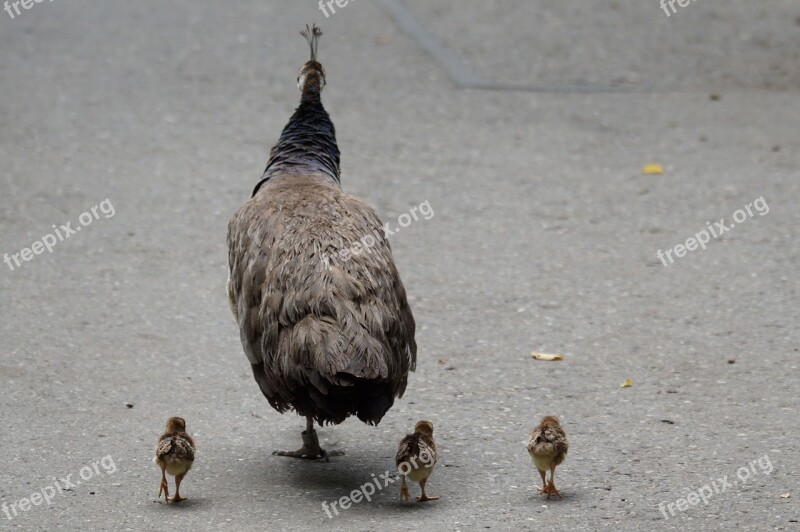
(525, 125)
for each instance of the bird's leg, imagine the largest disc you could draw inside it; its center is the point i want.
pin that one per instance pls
(164, 487)
(545, 487)
(404, 496)
(177, 497)
(551, 488)
(424, 497)
(310, 448)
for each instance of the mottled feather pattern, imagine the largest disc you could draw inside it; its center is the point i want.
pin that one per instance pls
(174, 447)
(413, 446)
(549, 441)
(325, 336)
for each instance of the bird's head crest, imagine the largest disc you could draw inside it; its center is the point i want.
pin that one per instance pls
(312, 76)
(312, 35)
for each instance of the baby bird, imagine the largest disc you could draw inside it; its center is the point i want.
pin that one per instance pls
(415, 459)
(548, 447)
(174, 455)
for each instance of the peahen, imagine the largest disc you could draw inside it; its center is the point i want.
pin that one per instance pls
(322, 312)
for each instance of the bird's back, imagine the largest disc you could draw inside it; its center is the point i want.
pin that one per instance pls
(176, 451)
(327, 331)
(416, 448)
(548, 444)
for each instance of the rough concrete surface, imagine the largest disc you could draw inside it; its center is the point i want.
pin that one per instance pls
(544, 238)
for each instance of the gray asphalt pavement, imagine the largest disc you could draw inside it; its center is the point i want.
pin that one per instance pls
(525, 125)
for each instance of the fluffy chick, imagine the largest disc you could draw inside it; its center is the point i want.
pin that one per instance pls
(548, 447)
(174, 455)
(416, 456)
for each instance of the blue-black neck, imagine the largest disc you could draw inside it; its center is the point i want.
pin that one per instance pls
(307, 143)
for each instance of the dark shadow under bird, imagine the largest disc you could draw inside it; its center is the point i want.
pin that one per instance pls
(323, 319)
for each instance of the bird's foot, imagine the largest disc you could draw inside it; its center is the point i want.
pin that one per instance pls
(309, 453)
(163, 488)
(176, 498)
(544, 489)
(551, 488)
(404, 495)
(425, 498)
(310, 449)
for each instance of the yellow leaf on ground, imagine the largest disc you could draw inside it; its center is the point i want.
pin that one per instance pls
(652, 169)
(547, 356)
(627, 384)
(786, 495)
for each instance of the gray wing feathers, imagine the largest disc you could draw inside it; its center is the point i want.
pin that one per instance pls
(304, 310)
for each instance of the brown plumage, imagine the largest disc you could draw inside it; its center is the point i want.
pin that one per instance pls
(416, 456)
(174, 455)
(548, 447)
(323, 317)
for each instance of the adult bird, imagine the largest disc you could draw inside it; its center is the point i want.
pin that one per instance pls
(322, 313)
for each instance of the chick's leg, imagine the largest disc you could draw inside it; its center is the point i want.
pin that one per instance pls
(404, 496)
(551, 488)
(424, 497)
(310, 448)
(177, 497)
(545, 487)
(164, 487)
